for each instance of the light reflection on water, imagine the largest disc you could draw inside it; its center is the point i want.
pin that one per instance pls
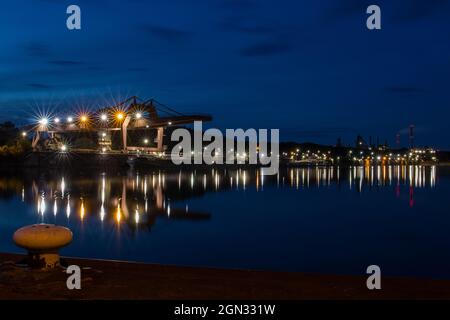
(197, 217)
(125, 195)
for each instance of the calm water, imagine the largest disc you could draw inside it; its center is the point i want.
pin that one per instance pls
(305, 219)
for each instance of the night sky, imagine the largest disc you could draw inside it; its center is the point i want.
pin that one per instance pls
(310, 68)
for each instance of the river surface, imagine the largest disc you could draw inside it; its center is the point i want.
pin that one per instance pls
(317, 219)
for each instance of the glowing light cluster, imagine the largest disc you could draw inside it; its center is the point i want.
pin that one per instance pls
(120, 115)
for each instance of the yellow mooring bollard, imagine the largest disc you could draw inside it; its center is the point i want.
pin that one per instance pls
(43, 242)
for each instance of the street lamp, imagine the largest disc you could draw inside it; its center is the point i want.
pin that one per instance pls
(120, 116)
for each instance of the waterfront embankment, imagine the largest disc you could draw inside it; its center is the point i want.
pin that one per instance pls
(88, 161)
(127, 280)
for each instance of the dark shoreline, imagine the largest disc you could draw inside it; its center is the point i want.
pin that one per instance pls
(112, 162)
(103, 279)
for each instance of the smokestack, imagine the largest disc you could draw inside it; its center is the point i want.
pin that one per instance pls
(411, 136)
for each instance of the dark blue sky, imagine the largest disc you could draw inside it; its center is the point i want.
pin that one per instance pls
(309, 68)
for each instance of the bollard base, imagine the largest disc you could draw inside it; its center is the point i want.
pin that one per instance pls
(45, 261)
(42, 241)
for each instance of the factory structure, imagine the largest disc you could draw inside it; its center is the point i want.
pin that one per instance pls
(131, 126)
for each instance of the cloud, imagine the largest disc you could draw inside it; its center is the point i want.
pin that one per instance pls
(237, 5)
(65, 62)
(37, 49)
(344, 8)
(242, 26)
(265, 49)
(333, 132)
(39, 86)
(403, 11)
(138, 69)
(95, 68)
(403, 89)
(166, 33)
(418, 9)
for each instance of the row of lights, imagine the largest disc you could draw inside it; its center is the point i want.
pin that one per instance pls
(413, 155)
(84, 118)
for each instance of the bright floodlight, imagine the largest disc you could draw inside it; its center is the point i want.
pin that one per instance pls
(69, 119)
(170, 123)
(83, 118)
(145, 141)
(103, 117)
(43, 121)
(120, 115)
(63, 147)
(57, 120)
(24, 134)
(138, 115)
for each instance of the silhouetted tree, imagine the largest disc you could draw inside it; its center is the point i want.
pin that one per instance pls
(8, 133)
